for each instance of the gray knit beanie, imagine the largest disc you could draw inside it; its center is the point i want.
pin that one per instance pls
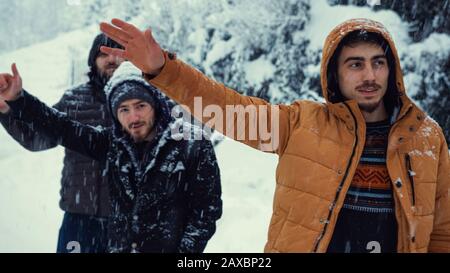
(127, 83)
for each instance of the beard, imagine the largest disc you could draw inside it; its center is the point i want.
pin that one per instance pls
(148, 130)
(108, 71)
(369, 107)
(103, 77)
(99, 77)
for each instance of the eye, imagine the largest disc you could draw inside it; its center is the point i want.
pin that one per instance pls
(380, 62)
(123, 110)
(355, 65)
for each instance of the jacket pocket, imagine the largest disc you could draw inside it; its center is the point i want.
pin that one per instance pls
(410, 173)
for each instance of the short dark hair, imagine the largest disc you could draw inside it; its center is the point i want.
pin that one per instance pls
(391, 98)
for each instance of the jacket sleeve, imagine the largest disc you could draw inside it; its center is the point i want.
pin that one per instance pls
(54, 125)
(26, 134)
(266, 126)
(205, 203)
(440, 237)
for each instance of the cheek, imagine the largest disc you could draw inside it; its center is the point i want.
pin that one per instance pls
(353, 78)
(152, 120)
(150, 117)
(383, 76)
(347, 81)
(122, 121)
(101, 63)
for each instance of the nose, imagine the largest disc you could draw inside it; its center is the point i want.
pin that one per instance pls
(134, 116)
(111, 59)
(369, 74)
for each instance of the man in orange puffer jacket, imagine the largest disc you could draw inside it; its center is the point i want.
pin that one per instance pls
(367, 171)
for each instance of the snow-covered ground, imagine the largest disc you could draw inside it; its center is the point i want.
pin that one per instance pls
(30, 182)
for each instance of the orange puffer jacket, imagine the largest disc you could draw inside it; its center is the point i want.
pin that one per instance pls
(319, 147)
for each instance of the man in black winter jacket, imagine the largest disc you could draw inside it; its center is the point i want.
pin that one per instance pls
(164, 188)
(84, 191)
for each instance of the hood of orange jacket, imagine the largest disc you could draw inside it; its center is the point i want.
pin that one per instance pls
(396, 85)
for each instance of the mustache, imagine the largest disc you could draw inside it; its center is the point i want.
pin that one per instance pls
(367, 86)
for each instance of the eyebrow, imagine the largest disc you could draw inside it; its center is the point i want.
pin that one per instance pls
(381, 56)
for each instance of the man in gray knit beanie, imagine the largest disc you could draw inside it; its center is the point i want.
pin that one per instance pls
(134, 103)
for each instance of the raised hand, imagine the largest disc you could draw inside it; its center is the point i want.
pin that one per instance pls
(10, 85)
(140, 47)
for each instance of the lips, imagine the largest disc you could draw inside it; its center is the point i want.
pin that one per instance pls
(368, 91)
(136, 126)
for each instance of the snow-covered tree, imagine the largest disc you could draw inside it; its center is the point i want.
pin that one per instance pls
(425, 17)
(96, 11)
(426, 69)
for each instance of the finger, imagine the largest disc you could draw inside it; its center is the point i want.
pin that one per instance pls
(116, 52)
(2, 81)
(15, 71)
(5, 79)
(129, 28)
(149, 36)
(121, 42)
(114, 33)
(9, 80)
(111, 30)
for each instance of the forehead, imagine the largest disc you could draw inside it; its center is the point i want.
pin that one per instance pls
(361, 50)
(132, 102)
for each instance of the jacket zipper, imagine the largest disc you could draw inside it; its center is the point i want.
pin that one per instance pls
(411, 175)
(341, 183)
(407, 158)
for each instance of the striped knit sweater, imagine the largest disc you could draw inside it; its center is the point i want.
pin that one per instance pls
(366, 223)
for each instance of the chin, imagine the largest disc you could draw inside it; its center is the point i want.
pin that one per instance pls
(138, 139)
(369, 106)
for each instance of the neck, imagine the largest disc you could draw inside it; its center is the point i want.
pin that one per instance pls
(378, 114)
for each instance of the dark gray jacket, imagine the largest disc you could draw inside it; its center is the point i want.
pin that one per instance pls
(83, 188)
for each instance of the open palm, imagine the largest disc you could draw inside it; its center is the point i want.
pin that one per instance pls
(140, 47)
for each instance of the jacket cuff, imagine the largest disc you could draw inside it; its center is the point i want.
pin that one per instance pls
(167, 74)
(5, 118)
(18, 105)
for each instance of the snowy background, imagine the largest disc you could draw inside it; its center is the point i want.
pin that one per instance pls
(269, 49)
